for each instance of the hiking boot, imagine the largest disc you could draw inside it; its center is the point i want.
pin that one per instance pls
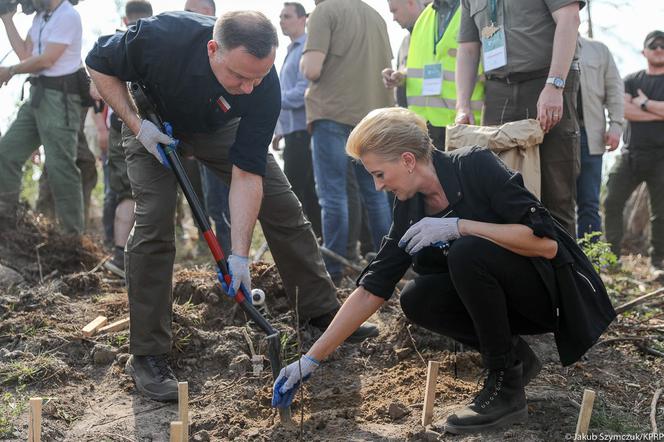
(531, 364)
(364, 331)
(501, 401)
(153, 377)
(115, 265)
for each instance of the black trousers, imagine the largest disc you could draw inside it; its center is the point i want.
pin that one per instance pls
(299, 170)
(489, 295)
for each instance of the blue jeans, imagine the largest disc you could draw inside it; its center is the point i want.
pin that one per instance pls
(216, 204)
(330, 171)
(587, 190)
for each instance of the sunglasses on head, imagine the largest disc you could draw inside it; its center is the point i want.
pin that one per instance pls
(654, 45)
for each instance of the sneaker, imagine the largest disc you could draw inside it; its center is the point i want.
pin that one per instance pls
(657, 270)
(153, 377)
(501, 401)
(364, 331)
(531, 364)
(115, 265)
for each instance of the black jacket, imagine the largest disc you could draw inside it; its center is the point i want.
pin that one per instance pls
(480, 187)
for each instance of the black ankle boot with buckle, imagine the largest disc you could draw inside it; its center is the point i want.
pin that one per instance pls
(501, 401)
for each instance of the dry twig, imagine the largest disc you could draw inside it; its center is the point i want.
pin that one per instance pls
(640, 300)
(414, 345)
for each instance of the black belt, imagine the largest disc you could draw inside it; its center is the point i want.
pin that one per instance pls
(518, 77)
(67, 84)
(63, 83)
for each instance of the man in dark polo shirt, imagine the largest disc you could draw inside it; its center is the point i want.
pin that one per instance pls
(528, 49)
(216, 84)
(642, 158)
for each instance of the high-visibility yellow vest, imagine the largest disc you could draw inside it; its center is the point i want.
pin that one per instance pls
(439, 110)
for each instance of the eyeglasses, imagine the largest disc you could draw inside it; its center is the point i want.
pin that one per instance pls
(653, 46)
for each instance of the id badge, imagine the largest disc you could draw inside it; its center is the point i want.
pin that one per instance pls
(493, 48)
(432, 84)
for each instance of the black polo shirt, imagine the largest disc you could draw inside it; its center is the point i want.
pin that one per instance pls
(479, 187)
(168, 54)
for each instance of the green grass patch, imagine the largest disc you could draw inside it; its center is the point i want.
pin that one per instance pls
(12, 405)
(28, 370)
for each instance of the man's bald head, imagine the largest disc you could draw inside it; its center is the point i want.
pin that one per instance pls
(406, 12)
(205, 7)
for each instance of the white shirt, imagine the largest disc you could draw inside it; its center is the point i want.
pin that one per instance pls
(62, 27)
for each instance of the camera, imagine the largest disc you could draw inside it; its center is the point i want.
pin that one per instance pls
(27, 6)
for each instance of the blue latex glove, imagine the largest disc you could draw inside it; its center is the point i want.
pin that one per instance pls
(429, 231)
(238, 269)
(289, 380)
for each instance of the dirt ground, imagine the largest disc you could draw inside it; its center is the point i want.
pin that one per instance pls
(369, 391)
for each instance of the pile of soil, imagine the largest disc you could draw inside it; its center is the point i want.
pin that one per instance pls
(368, 391)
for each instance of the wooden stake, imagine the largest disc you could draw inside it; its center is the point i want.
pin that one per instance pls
(34, 420)
(430, 392)
(115, 326)
(183, 408)
(176, 431)
(586, 411)
(94, 326)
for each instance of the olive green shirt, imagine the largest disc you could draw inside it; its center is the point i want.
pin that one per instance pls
(529, 30)
(354, 38)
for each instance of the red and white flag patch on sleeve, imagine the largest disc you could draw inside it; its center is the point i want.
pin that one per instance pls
(223, 104)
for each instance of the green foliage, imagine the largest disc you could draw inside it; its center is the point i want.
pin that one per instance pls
(28, 370)
(598, 252)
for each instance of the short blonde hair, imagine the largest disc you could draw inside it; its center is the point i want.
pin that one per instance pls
(389, 132)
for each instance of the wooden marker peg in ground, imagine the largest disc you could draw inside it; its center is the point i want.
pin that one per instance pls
(183, 408)
(586, 411)
(176, 431)
(92, 327)
(34, 420)
(430, 392)
(115, 326)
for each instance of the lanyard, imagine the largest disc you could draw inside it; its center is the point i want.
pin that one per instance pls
(45, 18)
(494, 11)
(437, 36)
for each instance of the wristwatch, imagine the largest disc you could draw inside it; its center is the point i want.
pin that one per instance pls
(557, 82)
(644, 105)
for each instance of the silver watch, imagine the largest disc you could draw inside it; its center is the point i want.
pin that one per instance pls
(557, 82)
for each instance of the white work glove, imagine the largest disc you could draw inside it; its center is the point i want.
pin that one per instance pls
(429, 232)
(289, 380)
(238, 268)
(149, 135)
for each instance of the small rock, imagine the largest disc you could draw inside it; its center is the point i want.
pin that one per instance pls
(254, 432)
(240, 364)
(103, 354)
(122, 358)
(431, 436)
(212, 298)
(208, 384)
(202, 436)
(403, 353)
(9, 277)
(234, 432)
(397, 410)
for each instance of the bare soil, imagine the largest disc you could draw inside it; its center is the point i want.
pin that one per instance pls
(369, 391)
